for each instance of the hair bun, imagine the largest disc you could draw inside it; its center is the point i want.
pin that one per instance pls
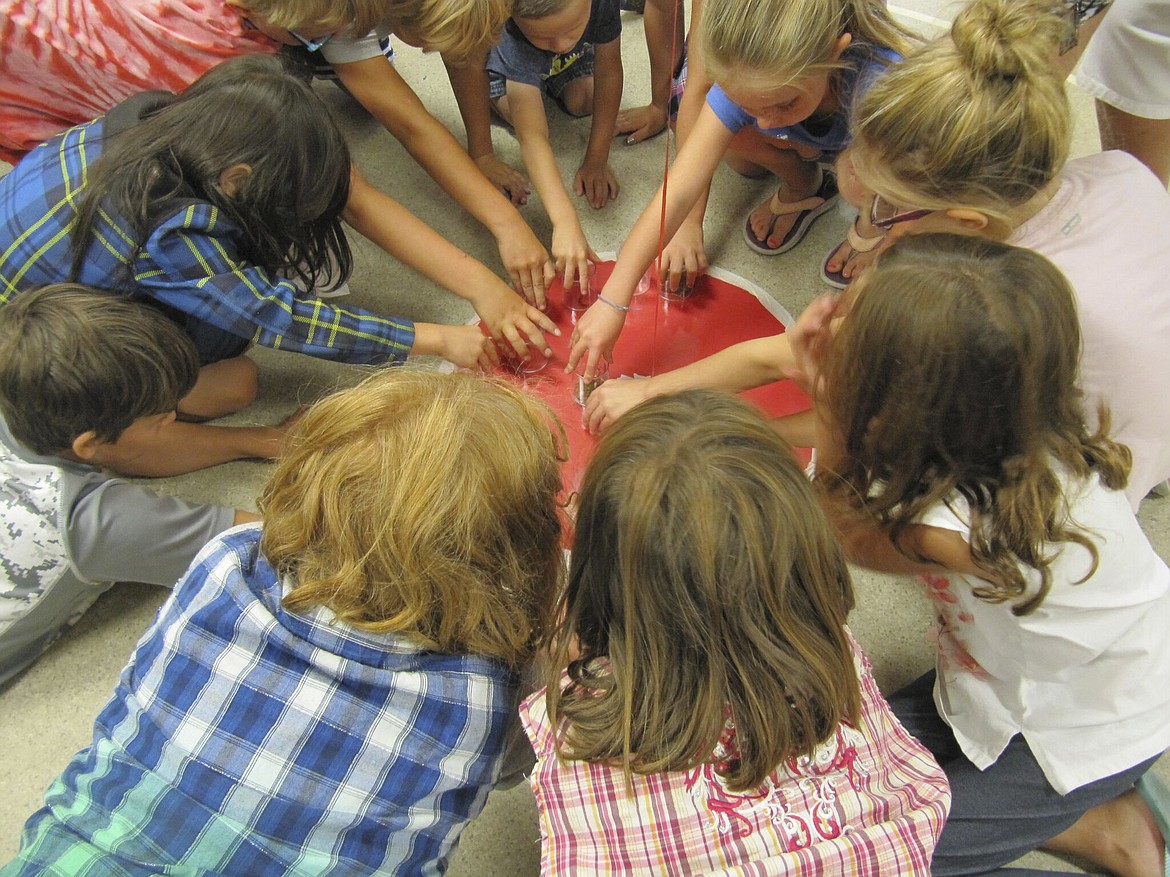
(1006, 40)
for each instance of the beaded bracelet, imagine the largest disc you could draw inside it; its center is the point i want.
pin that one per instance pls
(613, 304)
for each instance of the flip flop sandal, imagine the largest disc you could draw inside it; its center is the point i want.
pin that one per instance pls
(857, 244)
(1157, 797)
(806, 211)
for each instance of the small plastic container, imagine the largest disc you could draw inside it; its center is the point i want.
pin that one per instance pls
(581, 387)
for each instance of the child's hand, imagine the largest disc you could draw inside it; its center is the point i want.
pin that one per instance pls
(572, 253)
(810, 338)
(511, 319)
(596, 182)
(596, 332)
(613, 399)
(526, 261)
(468, 347)
(685, 258)
(504, 177)
(640, 123)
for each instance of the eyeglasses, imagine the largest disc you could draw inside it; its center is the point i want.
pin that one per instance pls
(312, 44)
(883, 214)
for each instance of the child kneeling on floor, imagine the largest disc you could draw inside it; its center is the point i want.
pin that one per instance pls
(716, 714)
(88, 379)
(329, 694)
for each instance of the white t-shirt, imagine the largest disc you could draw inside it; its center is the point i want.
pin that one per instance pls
(1108, 230)
(1086, 676)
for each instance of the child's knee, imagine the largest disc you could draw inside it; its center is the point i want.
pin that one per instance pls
(577, 98)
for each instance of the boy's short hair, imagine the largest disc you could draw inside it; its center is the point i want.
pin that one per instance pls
(75, 359)
(537, 8)
(423, 505)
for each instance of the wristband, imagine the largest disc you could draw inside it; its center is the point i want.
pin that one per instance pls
(613, 304)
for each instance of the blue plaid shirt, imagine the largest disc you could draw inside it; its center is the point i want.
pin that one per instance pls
(247, 740)
(190, 263)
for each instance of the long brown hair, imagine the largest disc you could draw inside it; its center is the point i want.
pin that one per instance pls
(422, 504)
(707, 578)
(956, 372)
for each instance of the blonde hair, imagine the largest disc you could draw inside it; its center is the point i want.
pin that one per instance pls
(424, 505)
(986, 405)
(978, 118)
(784, 41)
(458, 28)
(705, 585)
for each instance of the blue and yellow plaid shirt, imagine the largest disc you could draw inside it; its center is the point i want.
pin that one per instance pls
(190, 263)
(244, 739)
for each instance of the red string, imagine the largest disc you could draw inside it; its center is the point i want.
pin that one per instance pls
(665, 178)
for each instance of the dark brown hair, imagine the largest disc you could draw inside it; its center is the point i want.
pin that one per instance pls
(956, 371)
(423, 504)
(707, 578)
(75, 359)
(251, 110)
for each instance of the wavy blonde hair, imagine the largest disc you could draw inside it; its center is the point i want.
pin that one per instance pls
(422, 504)
(707, 578)
(460, 29)
(956, 372)
(977, 118)
(784, 41)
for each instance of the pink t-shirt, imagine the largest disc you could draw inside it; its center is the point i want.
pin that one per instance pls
(68, 61)
(870, 802)
(1108, 229)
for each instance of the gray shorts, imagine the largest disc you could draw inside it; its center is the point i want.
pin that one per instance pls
(554, 86)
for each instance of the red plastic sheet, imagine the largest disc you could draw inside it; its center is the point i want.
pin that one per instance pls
(659, 336)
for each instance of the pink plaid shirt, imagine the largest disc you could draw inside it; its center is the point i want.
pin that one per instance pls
(870, 802)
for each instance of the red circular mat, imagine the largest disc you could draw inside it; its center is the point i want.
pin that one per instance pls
(659, 336)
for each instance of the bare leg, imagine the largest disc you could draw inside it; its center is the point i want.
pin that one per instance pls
(752, 154)
(577, 98)
(1147, 140)
(1120, 836)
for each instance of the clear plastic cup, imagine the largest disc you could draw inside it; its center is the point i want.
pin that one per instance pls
(581, 387)
(578, 298)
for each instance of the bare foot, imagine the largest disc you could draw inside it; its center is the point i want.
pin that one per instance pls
(1121, 836)
(849, 262)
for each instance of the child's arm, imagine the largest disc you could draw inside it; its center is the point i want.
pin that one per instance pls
(469, 83)
(663, 22)
(742, 366)
(191, 263)
(402, 234)
(571, 252)
(380, 89)
(865, 542)
(465, 346)
(595, 179)
(599, 327)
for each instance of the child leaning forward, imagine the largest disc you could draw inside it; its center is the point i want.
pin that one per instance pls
(330, 694)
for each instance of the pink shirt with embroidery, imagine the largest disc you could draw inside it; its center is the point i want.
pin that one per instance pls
(870, 802)
(68, 61)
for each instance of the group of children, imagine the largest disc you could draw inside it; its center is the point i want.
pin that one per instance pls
(331, 690)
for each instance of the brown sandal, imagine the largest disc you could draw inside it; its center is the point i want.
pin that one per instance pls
(807, 209)
(857, 244)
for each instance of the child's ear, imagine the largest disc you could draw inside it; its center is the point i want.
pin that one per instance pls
(233, 178)
(840, 46)
(971, 220)
(86, 446)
